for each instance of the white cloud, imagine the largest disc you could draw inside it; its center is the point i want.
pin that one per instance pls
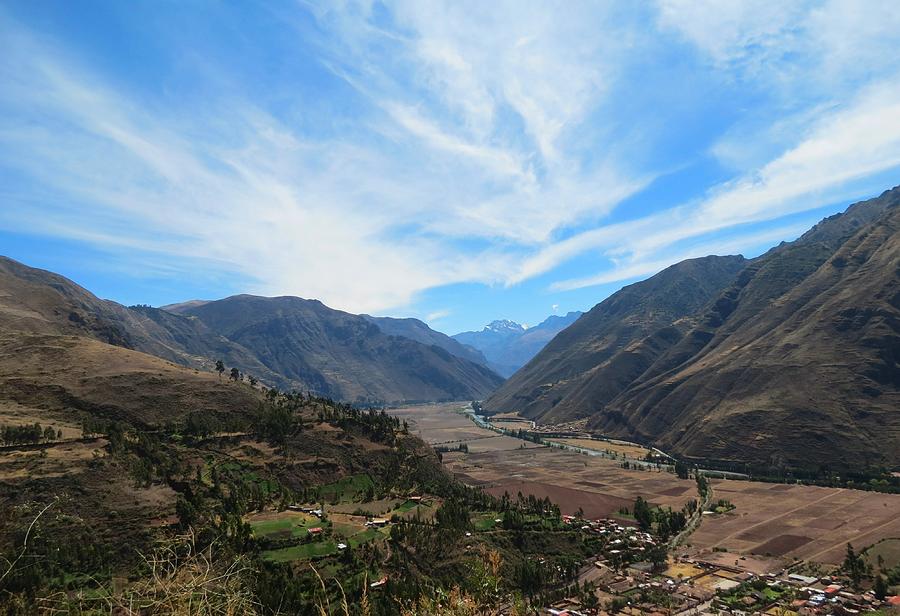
(644, 268)
(437, 315)
(487, 147)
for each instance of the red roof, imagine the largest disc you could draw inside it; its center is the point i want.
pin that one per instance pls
(895, 600)
(315, 530)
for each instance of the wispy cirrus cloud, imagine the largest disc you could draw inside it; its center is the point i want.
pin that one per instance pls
(409, 146)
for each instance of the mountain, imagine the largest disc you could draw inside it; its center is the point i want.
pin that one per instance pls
(588, 362)
(794, 361)
(63, 351)
(414, 329)
(39, 301)
(293, 343)
(508, 345)
(342, 355)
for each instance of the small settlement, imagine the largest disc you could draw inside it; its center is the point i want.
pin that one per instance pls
(621, 580)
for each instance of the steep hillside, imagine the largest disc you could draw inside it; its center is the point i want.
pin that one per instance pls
(787, 359)
(340, 354)
(414, 329)
(508, 346)
(293, 343)
(804, 348)
(36, 300)
(591, 360)
(71, 377)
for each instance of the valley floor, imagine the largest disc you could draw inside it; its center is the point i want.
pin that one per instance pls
(778, 523)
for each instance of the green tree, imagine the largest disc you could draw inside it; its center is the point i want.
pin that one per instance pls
(854, 566)
(658, 555)
(880, 588)
(642, 514)
(220, 367)
(235, 375)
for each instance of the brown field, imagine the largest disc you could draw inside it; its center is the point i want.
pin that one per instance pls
(682, 570)
(806, 522)
(785, 521)
(513, 425)
(499, 463)
(626, 450)
(14, 414)
(56, 461)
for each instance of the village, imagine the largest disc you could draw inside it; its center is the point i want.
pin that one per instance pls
(623, 580)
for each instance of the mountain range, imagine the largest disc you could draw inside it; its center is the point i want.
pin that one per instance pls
(288, 342)
(508, 346)
(791, 358)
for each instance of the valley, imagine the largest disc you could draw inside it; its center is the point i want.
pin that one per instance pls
(776, 521)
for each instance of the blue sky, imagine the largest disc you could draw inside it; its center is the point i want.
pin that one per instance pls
(452, 161)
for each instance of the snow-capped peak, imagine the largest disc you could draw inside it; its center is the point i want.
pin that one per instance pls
(502, 326)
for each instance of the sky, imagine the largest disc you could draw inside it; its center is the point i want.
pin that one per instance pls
(454, 161)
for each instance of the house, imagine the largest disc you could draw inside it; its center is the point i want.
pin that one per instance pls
(342, 546)
(377, 522)
(315, 530)
(379, 583)
(802, 579)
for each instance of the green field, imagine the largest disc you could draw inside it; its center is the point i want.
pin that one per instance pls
(485, 521)
(302, 552)
(347, 488)
(407, 506)
(889, 550)
(364, 537)
(291, 523)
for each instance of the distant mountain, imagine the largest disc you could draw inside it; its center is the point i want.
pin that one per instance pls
(508, 346)
(294, 343)
(342, 355)
(792, 358)
(414, 329)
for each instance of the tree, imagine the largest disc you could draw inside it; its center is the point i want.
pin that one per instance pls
(658, 555)
(253, 381)
(880, 589)
(642, 514)
(681, 469)
(235, 374)
(220, 367)
(854, 566)
(49, 433)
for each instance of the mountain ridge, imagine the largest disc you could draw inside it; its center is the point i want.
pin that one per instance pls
(39, 301)
(799, 346)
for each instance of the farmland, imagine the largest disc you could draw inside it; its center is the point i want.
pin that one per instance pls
(776, 522)
(806, 522)
(625, 450)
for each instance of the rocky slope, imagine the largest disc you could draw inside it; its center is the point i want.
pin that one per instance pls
(342, 355)
(794, 361)
(414, 329)
(293, 343)
(589, 362)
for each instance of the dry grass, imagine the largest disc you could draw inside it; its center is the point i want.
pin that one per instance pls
(182, 581)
